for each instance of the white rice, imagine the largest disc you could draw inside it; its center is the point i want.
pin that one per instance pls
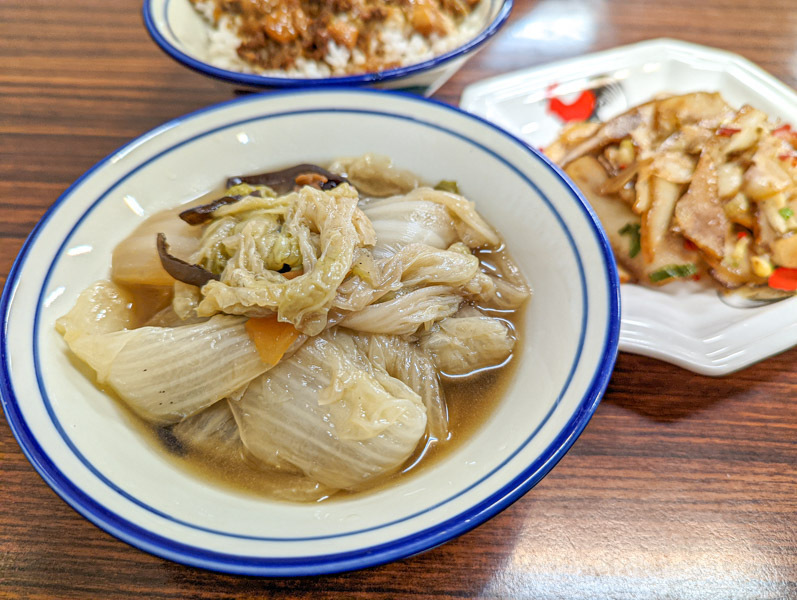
(400, 43)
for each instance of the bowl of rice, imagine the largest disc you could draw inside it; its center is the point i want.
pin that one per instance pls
(309, 43)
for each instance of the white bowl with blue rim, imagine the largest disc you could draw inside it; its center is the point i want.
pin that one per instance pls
(183, 34)
(85, 448)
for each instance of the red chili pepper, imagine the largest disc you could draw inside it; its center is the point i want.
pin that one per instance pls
(690, 245)
(785, 132)
(579, 110)
(742, 234)
(696, 277)
(783, 278)
(727, 131)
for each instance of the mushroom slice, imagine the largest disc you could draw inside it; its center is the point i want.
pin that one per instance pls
(571, 136)
(643, 198)
(656, 220)
(614, 214)
(612, 131)
(699, 214)
(700, 108)
(784, 251)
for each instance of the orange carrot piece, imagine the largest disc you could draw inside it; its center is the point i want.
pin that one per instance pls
(311, 179)
(292, 274)
(271, 337)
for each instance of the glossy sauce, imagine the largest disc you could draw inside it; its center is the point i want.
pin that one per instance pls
(470, 401)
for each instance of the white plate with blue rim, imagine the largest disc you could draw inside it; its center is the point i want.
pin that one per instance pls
(85, 448)
(187, 36)
(685, 323)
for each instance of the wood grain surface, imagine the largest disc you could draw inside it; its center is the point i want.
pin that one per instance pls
(681, 486)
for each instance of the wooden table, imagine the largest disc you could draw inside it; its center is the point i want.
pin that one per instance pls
(681, 487)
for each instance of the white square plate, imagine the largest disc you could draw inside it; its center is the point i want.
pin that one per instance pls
(687, 324)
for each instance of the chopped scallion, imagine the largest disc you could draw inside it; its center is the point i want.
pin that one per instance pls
(632, 231)
(447, 186)
(673, 271)
(786, 212)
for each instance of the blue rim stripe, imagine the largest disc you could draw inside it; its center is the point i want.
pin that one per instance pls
(59, 254)
(327, 563)
(285, 82)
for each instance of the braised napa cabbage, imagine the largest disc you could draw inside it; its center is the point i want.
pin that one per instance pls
(304, 324)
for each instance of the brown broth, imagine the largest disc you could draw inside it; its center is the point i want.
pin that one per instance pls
(470, 401)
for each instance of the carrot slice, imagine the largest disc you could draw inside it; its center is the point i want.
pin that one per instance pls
(311, 179)
(271, 337)
(292, 274)
(783, 278)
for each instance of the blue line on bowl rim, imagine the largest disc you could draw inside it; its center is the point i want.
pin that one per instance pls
(44, 292)
(354, 559)
(286, 82)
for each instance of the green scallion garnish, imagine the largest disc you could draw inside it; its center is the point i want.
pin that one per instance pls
(673, 271)
(447, 186)
(786, 213)
(632, 231)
